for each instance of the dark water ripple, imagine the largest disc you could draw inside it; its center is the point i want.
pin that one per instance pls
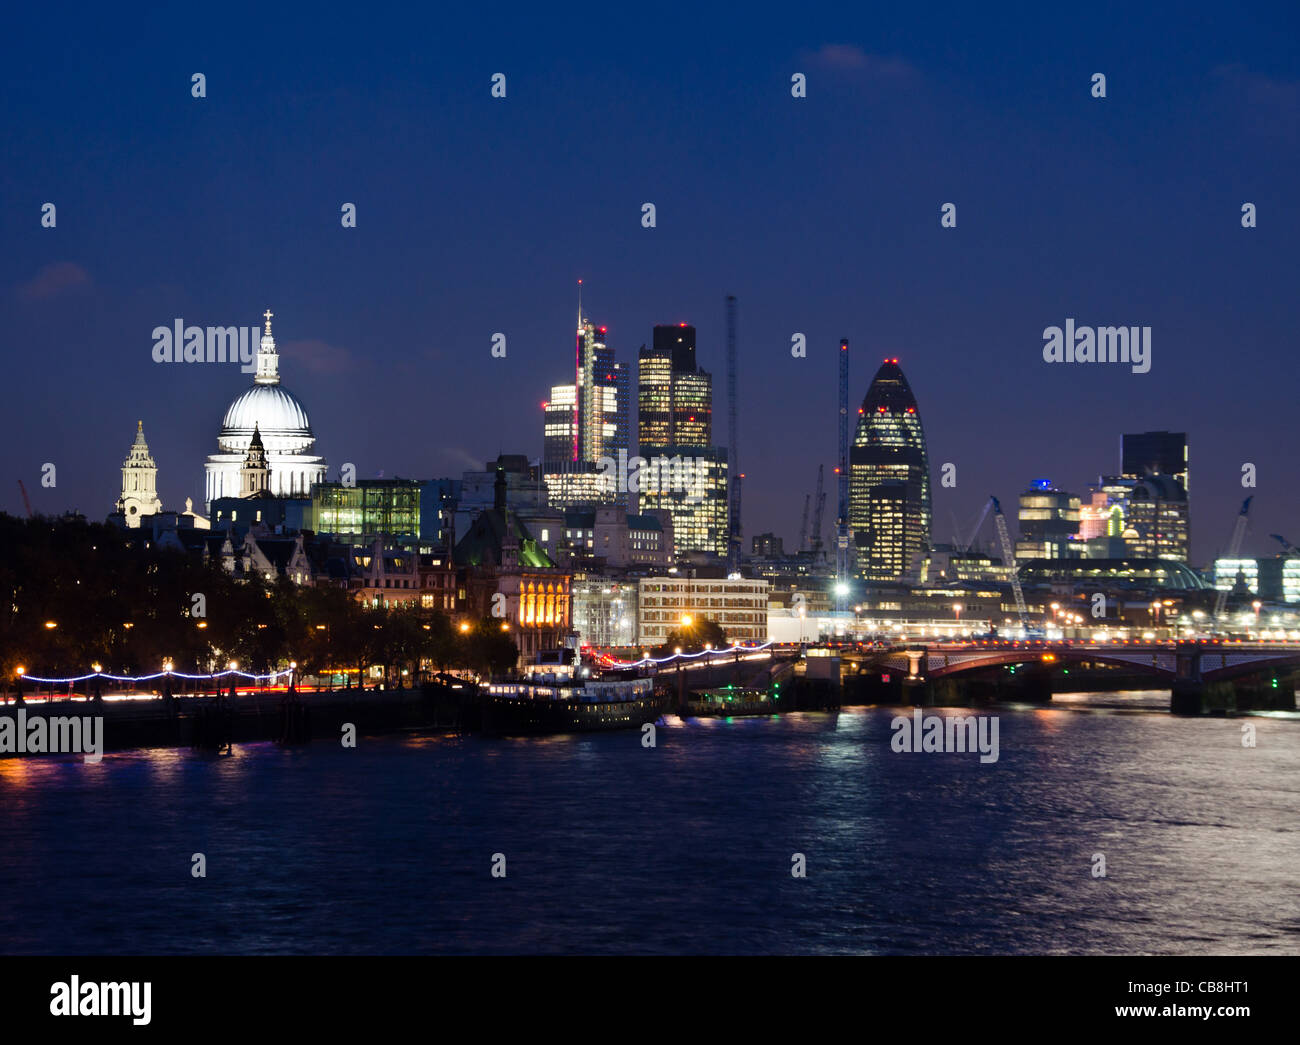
(612, 848)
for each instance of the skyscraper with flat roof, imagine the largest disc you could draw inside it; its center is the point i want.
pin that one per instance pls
(1157, 512)
(687, 475)
(1154, 453)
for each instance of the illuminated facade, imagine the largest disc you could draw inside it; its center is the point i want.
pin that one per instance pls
(687, 476)
(1049, 522)
(1158, 516)
(690, 484)
(584, 422)
(1275, 579)
(500, 556)
(369, 509)
(1228, 573)
(567, 491)
(738, 606)
(282, 424)
(674, 396)
(1099, 518)
(889, 481)
(605, 612)
(139, 482)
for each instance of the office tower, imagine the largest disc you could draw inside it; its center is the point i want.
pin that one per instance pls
(889, 481)
(685, 474)
(585, 423)
(1155, 453)
(1152, 493)
(1049, 522)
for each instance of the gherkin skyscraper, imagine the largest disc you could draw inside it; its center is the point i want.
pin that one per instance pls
(889, 481)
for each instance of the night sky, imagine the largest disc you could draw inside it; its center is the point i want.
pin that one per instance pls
(477, 215)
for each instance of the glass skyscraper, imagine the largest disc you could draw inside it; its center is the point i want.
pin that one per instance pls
(584, 422)
(889, 481)
(687, 476)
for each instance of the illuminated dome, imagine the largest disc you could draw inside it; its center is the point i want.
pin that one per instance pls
(274, 411)
(280, 420)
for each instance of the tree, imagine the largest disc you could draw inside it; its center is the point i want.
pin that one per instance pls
(697, 635)
(487, 649)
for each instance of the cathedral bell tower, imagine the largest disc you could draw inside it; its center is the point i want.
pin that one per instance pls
(255, 475)
(139, 482)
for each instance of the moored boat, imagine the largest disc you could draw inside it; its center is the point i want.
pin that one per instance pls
(558, 705)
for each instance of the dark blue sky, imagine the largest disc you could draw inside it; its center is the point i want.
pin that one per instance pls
(478, 215)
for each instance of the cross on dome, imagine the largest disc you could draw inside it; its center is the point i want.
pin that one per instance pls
(267, 316)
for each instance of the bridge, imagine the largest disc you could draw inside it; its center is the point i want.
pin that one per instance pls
(1217, 671)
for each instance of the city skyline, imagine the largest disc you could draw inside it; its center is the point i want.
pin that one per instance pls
(266, 362)
(479, 475)
(629, 419)
(388, 327)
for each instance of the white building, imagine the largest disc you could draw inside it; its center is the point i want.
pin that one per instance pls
(286, 433)
(139, 482)
(739, 606)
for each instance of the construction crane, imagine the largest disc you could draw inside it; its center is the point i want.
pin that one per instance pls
(1234, 549)
(733, 451)
(803, 525)
(975, 532)
(26, 499)
(1008, 557)
(735, 557)
(842, 475)
(818, 512)
(1288, 549)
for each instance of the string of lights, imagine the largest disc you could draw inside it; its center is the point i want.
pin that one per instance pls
(692, 656)
(157, 675)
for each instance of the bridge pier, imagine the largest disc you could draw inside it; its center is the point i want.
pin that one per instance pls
(1193, 694)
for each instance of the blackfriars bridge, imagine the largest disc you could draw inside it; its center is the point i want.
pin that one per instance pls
(1202, 674)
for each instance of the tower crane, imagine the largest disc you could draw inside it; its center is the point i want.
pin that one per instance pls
(1008, 557)
(26, 501)
(975, 532)
(1234, 549)
(803, 525)
(1288, 549)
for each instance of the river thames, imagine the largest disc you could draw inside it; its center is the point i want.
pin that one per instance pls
(611, 847)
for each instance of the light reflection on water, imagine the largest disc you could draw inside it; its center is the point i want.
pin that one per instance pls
(684, 847)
